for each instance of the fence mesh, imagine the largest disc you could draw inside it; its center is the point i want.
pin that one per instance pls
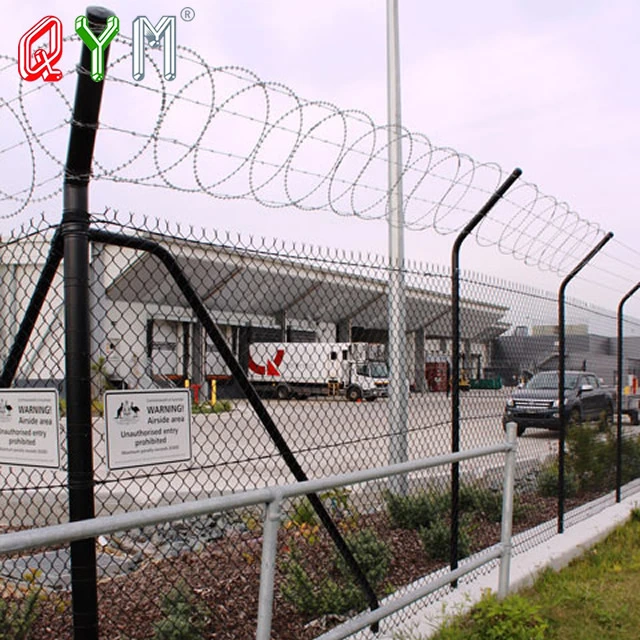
(309, 328)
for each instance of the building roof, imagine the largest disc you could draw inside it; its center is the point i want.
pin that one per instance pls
(252, 283)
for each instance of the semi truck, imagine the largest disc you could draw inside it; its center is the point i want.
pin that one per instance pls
(301, 369)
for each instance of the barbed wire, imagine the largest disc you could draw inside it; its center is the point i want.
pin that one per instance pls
(227, 134)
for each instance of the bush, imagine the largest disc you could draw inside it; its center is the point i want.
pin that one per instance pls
(485, 502)
(436, 540)
(314, 596)
(591, 457)
(412, 511)
(184, 618)
(630, 459)
(547, 481)
(372, 554)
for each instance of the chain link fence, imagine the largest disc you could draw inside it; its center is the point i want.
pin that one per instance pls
(309, 330)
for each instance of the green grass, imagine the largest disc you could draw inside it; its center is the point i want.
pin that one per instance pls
(596, 597)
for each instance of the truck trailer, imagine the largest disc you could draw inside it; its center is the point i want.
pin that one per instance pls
(301, 369)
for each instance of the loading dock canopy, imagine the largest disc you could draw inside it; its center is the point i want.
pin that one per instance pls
(243, 282)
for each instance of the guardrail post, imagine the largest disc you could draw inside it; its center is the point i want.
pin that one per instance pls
(272, 517)
(619, 391)
(561, 373)
(507, 510)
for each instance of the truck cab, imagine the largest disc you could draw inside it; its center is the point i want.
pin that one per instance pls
(368, 380)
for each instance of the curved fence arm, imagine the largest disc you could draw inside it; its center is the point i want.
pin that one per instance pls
(562, 369)
(620, 366)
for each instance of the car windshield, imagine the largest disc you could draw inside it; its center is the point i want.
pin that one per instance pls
(549, 380)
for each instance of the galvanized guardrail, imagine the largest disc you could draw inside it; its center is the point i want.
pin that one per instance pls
(273, 498)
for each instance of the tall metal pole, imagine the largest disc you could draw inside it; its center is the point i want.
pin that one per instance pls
(561, 373)
(75, 235)
(455, 355)
(619, 391)
(398, 389)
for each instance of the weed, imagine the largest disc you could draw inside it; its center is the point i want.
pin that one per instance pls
(206, 408)
(17, 615)
(303, 513)
(513, 618)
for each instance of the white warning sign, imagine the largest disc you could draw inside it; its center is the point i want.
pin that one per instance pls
(29, 433)
(146, 428)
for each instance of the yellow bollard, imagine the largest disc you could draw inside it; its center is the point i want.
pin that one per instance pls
(214, 392)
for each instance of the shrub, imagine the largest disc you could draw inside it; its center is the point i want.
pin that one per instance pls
(547, 481)
(372, 554)
(591, 456)
(314, 596)
(486, 502)
(184, 618)
(299, 588)
(436, 540)
(630, 459)
(412, 511)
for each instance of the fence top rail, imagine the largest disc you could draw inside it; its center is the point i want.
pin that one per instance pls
(71, 531)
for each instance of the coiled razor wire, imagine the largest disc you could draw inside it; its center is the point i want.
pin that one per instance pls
(226, 133)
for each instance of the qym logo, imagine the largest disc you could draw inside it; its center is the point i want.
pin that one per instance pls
(45, 59)
(38, 60)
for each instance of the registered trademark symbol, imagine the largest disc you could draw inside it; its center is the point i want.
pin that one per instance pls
(187, 14)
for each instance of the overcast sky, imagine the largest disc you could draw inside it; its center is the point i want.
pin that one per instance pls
(543, 85)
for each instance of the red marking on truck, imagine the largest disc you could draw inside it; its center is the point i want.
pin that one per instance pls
(271, 369)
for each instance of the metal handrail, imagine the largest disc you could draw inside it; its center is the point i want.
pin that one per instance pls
(273, 497)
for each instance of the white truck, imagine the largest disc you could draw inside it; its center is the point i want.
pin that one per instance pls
(300, 369)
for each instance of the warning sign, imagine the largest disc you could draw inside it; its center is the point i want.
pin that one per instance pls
(29, 433)
(146, 428)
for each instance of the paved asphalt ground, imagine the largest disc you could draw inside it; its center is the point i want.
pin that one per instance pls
(232, 451)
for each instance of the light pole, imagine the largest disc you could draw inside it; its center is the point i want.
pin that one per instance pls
(398, 390)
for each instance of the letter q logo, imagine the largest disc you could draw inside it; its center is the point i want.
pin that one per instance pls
(44, 59)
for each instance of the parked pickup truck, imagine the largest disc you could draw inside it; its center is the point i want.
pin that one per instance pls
(536, 403)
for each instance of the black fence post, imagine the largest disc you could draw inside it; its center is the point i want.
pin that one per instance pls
(455, 356)
(75, 234)
(620, 367)
(561, 373)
